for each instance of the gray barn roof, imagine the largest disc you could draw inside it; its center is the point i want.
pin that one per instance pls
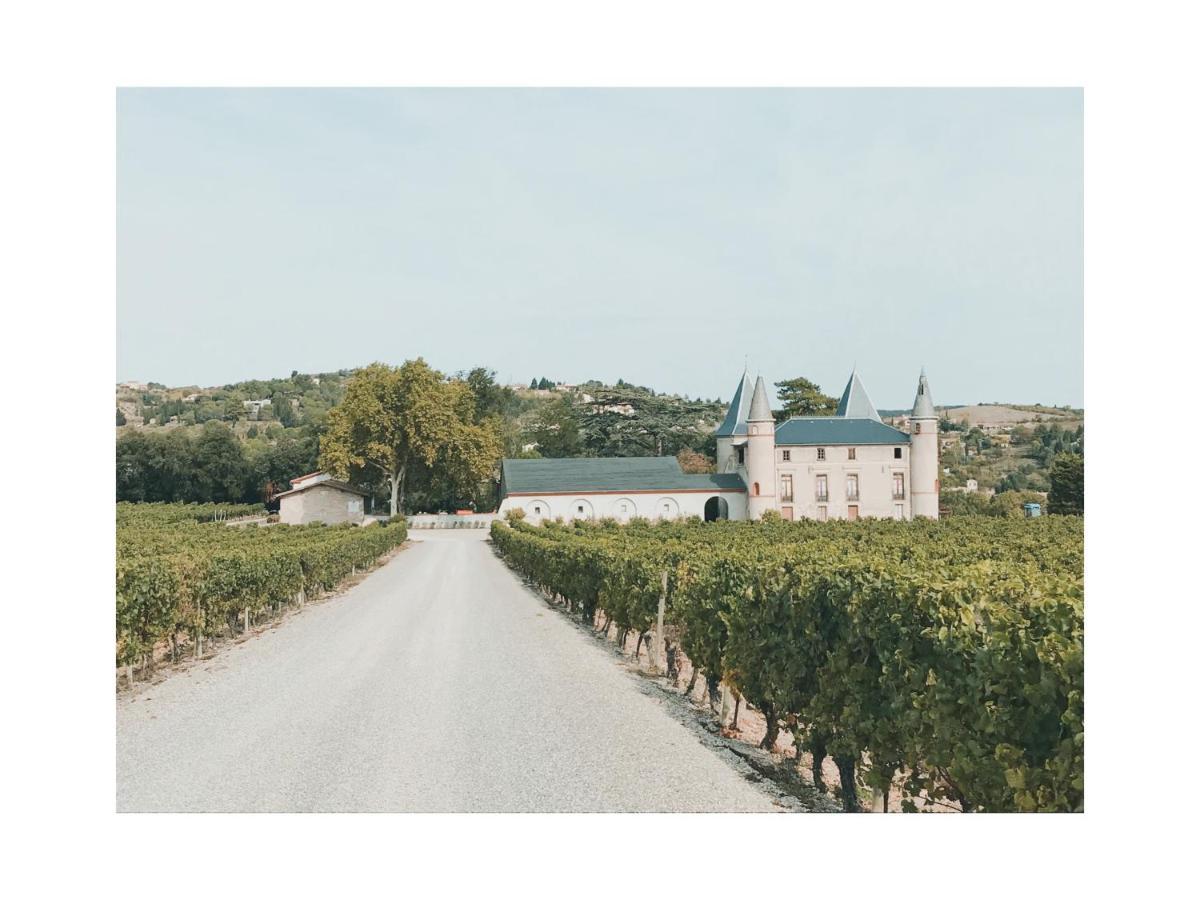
(606, 475)
(327, 483)
(820, 430)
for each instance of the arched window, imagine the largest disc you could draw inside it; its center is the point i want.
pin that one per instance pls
(756, 489)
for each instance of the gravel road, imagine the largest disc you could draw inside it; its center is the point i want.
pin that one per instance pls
(439, 683)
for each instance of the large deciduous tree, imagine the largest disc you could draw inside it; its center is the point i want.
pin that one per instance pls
(393, 420)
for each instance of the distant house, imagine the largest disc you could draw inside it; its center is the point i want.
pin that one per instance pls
(255, 407)
(317, 497)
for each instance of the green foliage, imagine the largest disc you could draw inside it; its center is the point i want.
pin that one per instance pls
(170, 466)
(179, 569)
(554, 427)
(633, 421)
(1066, 485)
(801, 397)
(950, 650)
(410, 421)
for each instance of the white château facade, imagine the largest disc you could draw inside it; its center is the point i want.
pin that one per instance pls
(846, 466)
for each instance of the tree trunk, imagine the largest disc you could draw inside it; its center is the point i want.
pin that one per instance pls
(714, 689)
(772, 735)
(845, 766)
(818, 760)
(394, 480)
(692, 684)
(672, 662)
(737, 707)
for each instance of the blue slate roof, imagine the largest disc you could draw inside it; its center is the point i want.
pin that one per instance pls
(822, 430)
(739, 410)
(610, 475)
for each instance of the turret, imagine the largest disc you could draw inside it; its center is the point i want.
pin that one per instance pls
(732, 432)
(923, 453)
(760, 453)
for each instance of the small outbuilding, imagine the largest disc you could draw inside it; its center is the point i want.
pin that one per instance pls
(317, 497)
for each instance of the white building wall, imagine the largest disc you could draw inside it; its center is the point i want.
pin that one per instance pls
(321, 503)
(875, 466)
(622, 507)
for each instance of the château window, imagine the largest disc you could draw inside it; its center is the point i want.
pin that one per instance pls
(579, 509)
(852, 513)
(897, 453)
(897, 485)
(822, 488)
(916, 427)
(741, 454)
(820, 453)
(787, 455)
(850, 453)
(822, 514)
(786, 488)
(756, 489)
(851, 487)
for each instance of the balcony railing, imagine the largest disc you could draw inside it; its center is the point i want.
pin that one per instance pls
(822, 498)
(897, 495)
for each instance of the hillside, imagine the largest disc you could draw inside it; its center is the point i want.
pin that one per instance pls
(278, 422)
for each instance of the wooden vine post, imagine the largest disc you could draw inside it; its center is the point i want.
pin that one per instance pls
(657, 654)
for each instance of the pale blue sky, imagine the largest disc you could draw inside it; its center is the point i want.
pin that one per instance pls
(661, 236)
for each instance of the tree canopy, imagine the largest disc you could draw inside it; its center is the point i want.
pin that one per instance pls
(801, 397)
(1066, 485)
(394, 421)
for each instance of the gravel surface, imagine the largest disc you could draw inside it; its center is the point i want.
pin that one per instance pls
(439, 683)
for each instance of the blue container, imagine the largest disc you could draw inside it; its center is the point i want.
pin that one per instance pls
(1033, 510)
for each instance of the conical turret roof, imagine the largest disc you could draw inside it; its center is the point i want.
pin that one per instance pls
(739, 409)
(923, 402)
(760, 406)
(855, 404)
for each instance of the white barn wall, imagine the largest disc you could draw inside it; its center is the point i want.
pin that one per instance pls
(664, 505)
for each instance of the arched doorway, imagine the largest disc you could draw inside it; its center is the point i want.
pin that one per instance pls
(716, 508)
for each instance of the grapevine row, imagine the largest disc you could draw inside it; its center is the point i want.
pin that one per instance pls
(945, 655)
(176, 576)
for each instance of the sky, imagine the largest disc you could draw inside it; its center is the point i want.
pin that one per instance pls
(667, 237)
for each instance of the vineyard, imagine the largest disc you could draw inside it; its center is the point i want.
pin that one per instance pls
(943, 659)
(183, 573)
